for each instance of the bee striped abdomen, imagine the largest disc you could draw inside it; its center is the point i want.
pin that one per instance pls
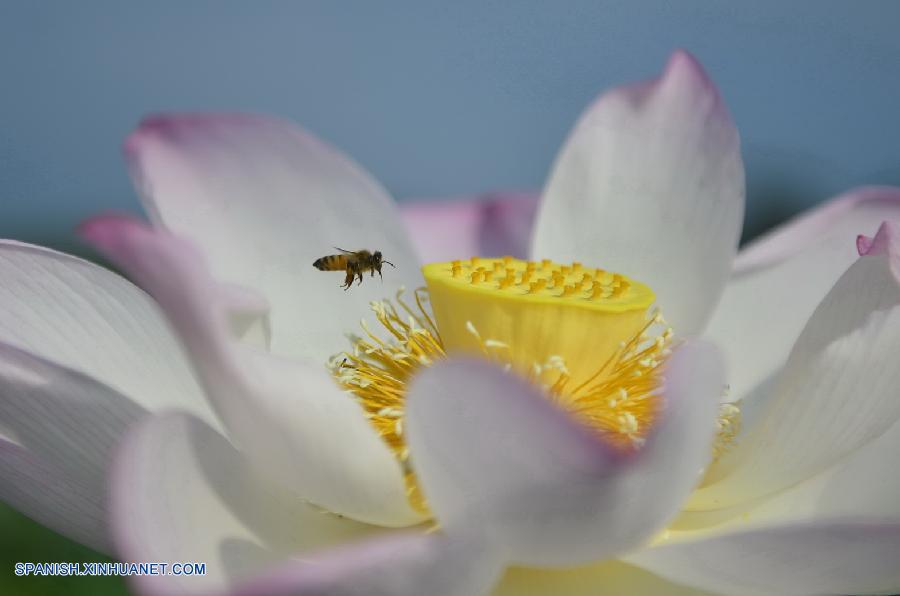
(331, 263)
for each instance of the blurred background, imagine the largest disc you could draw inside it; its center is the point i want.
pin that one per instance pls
(435, 98)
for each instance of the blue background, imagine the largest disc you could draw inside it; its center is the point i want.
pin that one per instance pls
(435, 98)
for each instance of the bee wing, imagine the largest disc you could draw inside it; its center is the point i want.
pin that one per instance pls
(346, 252)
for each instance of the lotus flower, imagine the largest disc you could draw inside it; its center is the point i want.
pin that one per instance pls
(517, 419)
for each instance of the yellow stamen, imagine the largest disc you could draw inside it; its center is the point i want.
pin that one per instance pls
(728, 427)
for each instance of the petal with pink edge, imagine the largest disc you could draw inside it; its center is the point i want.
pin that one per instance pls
(650, 183)
(492, 452)
(88, 319)
(781, 278)
(491, 225)
(836, 393)
(264, 199)
(827, 558)
(289, 417)
(847, 215)
(180, 491)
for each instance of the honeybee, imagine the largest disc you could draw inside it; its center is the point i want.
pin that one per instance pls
(354, 263)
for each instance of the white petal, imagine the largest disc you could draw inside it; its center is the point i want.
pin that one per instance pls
(862, 489)
(88, 319)
(491, 452)
(291, 418)
(650, 183)
(836, 393)
(46, 493)
(66, 427)
(836, 558)
(180, 492)
(781, 278)
(264, 199)
(609, 577)
(865, 484)
(403, 565)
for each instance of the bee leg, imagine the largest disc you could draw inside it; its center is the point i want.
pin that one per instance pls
(348, 280)
(379, 274)
(360, 277)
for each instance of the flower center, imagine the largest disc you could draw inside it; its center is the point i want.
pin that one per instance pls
(587, 336)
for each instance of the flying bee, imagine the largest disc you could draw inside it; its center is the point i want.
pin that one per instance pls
(354, 263)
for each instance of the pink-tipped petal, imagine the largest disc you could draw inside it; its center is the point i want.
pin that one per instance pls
(835, 394)
(491, 225)
(846, 215)
(264, 199)
(863, 244)
(180, 492)
(651, 183)
(885, 241)
(492, 453)
(833, 558)
(781, 278)
(402, 565)
(291, 418)
(88, 319)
